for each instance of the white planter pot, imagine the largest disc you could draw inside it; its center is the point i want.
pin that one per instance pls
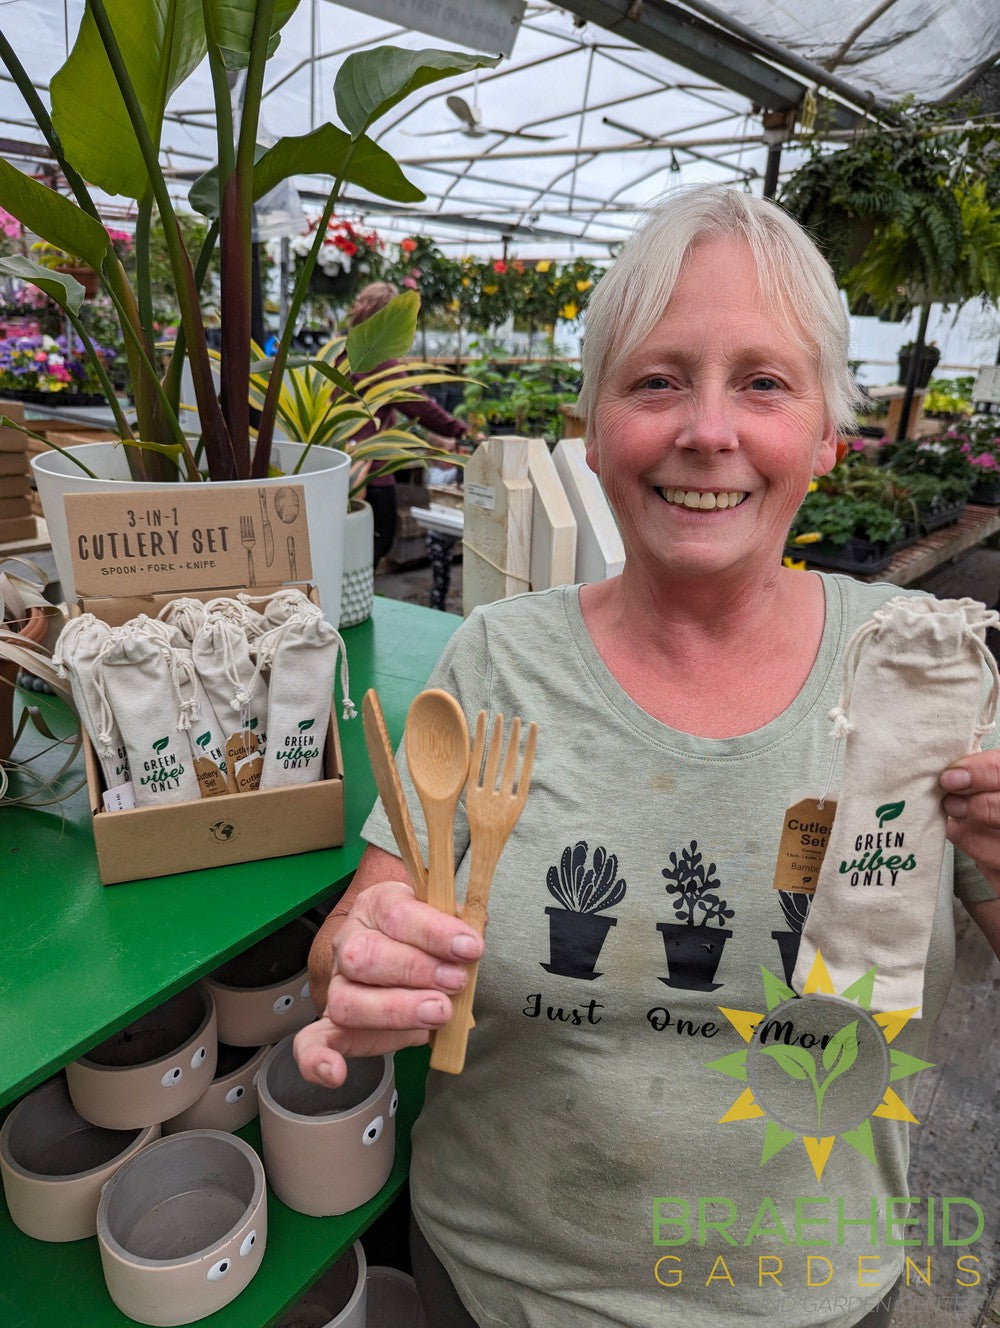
(358, 589)
(324, 477)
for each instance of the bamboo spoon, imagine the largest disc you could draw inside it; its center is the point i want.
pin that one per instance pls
(492, 813)
(390, 790)
(437, 753)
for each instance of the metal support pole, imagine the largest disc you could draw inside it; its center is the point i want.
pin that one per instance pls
(912, 372)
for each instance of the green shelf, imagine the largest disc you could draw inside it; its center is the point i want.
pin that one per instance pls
(80, 960)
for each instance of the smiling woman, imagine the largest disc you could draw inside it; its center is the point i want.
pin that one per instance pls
(683, 714)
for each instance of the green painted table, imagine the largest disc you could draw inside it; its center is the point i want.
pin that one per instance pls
(80, 960)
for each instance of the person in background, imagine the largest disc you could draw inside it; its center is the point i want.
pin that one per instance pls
(381, 492)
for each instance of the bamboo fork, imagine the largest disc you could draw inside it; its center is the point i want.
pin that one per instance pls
(492, 812)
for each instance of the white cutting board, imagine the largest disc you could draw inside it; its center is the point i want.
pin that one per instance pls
(553, 525)
(496, 558)
(599, 549)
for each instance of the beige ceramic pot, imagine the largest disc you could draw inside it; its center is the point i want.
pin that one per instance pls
(393, 1300)
(54, 1163)
(262, 994)
(230, 1101)
(337, 1300)
(151, 1070)
(182, 1227)
(327, 1150)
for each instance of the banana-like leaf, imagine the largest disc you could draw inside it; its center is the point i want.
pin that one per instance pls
(321, 152)
(161, 43)
(386, 335)
(369, 83)
(232, 21)
(51, 216)
(67, 292)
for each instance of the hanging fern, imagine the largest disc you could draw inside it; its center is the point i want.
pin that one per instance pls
(906, 215)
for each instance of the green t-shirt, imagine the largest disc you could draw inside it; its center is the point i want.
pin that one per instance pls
(587, 1094)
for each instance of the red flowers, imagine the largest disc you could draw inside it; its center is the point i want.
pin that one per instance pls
(407, 246)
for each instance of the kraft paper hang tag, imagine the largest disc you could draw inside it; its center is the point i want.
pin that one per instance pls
(243, 763)
(805, 833)
(211, 779)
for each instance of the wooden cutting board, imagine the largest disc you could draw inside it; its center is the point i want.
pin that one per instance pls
(599, 549)
(553, 525)
(496, 560)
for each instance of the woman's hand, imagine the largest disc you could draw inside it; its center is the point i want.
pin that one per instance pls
(972, 786)
(395, 963)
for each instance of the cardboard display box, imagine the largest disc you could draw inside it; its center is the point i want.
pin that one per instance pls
(134, 553)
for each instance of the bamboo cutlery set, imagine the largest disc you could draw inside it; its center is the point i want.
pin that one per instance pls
(437, 753)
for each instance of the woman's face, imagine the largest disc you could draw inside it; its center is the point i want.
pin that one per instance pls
(706, 437)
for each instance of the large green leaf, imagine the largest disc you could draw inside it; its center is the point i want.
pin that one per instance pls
(66, 291)
(386, 335)
(321, 152)
(51, 216)
(369, 83)
(161, 42)
(232, 23)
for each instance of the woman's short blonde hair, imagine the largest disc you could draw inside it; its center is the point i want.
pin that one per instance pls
(631, 297)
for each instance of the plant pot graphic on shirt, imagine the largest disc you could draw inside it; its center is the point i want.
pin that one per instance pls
(795, 906)
(694, 945)
(579, 926)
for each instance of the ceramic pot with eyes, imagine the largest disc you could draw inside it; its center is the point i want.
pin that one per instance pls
(393, 1300)
(230, 1101)
(151, 1070)
(262, 994)
(54, 1163)
(336, 1300)
(182, 1227)
(327, 1150)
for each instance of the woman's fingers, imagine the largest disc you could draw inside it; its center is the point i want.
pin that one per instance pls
(353, 1005)
(395, 962)
(972, 804)
(322, 1050)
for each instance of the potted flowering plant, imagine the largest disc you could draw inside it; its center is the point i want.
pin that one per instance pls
(108, 103)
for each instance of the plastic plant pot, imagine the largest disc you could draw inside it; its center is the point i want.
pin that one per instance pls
(327, 1150)
(54, 1164)
(262, 994)
(336, 1300)
(151, 1070)
(182, 1227)
(230, 1101)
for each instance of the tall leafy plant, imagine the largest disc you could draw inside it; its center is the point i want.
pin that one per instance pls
(105, 124)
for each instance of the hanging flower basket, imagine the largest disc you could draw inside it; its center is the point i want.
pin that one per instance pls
(340, 286)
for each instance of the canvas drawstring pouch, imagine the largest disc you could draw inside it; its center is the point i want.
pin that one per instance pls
(139, 685)
(280, 606)
(301, 654)
(232, 682)
(76, 655)
(184, 614)
(238, 611)
(196, 716)
(912, 702)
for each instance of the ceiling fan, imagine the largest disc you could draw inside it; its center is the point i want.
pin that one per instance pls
(471, 118)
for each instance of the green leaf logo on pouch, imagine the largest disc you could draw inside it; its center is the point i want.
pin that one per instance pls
(305, 724)
(160, 743)
(204, 739)
(888, 812)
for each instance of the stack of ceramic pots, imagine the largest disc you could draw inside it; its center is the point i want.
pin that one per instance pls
(181, 1220)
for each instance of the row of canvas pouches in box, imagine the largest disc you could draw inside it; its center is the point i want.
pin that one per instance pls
(182, 705)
